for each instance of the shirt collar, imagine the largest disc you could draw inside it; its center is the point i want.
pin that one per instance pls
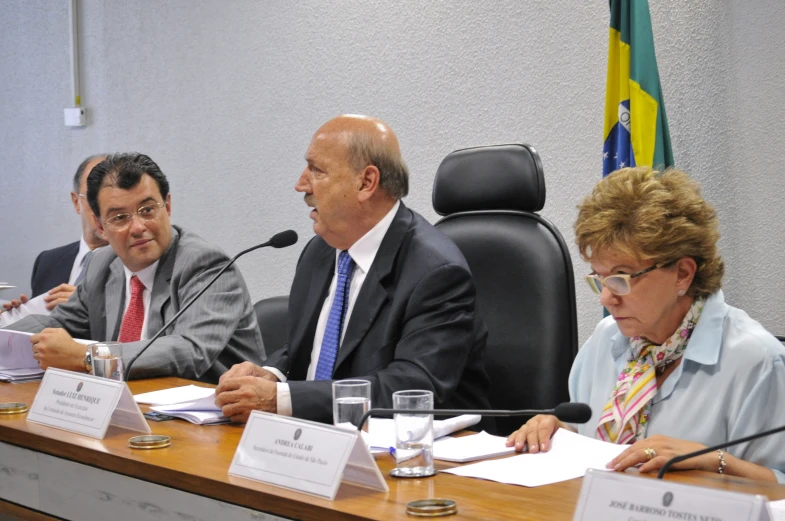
(364, 251)
(706, 340)
(146, 276)
(83, 250)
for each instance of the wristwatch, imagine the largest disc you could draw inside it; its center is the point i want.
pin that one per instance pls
(88, 361)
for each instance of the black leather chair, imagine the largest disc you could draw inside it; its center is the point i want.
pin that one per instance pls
(272, 314)
(521, 268)
(780, 338)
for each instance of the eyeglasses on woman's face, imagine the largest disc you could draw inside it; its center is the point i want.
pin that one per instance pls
(619, 284)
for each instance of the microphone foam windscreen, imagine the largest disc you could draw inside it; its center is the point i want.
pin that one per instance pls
(283, 239)
(573, 412)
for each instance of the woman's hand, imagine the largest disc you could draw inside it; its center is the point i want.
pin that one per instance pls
(535, 435)
(653, 452)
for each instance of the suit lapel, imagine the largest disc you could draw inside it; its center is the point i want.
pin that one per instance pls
(374, 292)
(161, 293)
(114, 298)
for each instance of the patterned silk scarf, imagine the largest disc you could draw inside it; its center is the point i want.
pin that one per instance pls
(625, 417)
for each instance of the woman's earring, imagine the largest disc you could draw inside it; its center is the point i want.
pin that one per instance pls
(682, 292)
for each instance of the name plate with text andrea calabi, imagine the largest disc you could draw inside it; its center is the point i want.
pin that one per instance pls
(85, 404)
(305, 456)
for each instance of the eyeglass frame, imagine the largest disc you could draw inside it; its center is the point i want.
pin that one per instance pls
(626, 277)
(141, 218)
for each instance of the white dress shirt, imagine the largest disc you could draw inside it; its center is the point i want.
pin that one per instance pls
(146, 277)
(76, 269)
(363, 252)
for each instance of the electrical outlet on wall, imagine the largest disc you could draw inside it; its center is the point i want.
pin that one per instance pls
(75, 117)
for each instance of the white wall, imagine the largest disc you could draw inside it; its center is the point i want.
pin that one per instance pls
(225, 96)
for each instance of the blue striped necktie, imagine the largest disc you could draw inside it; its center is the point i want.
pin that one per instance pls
(332, 333)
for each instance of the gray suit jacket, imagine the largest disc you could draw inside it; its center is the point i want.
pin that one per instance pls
(218, 331)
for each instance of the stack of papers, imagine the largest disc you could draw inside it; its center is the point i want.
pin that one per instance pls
(189, 402)
(570, 456)
(16, 357)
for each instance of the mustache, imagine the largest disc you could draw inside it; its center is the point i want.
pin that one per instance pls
(310, 200)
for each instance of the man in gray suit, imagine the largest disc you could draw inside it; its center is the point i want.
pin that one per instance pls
(131, 289)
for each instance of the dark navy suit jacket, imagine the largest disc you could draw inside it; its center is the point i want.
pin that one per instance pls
(53, 267)
(413, 326)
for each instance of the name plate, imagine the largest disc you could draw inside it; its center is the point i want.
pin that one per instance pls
(305, 456)
(612, 496)
(85, 404)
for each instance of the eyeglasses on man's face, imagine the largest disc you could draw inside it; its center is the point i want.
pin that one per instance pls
(619, 284)
(146, 213)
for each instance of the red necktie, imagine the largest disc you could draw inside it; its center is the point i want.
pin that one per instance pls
(131, 330)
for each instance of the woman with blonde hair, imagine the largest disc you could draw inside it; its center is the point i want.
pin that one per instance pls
(674, 368)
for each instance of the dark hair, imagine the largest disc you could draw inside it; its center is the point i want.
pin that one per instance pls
(80, 170)
(123, 170)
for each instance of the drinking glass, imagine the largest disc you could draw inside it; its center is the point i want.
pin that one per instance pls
(351, 399)
(108, 360)
(413, 435)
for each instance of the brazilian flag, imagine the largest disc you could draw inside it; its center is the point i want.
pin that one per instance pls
(636, 129)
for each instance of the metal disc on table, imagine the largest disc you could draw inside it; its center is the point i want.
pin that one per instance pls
(432, 507)
(150, 441)
(13, 408)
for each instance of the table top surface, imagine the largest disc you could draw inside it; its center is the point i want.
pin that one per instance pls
(199, 458)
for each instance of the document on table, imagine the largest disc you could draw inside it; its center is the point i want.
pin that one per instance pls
(16, 357)
(777, 509)
(381, 431)
(471, 448)
(185, 393)
(200, 412)
(570, 456)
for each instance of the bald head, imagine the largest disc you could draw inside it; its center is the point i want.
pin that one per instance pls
(370, 141)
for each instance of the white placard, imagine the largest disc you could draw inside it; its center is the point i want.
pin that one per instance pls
(612, 496)
(85, 404)
(305, 456)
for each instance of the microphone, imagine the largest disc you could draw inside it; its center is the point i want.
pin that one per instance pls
(567, 412)
(279, 240)
(677, 459)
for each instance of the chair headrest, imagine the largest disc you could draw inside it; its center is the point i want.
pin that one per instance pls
(497, 177)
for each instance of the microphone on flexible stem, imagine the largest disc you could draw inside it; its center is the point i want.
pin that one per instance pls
(279, 240)
(566, 412)
(677, 459)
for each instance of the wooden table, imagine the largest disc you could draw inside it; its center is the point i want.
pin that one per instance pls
(195, 468)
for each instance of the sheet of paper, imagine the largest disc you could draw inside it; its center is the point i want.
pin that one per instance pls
(570, 456)
(381, 431)
(777, 509)
(203, 411)
(16, 351)
(471, 448)
(34, 306)
(186, 393)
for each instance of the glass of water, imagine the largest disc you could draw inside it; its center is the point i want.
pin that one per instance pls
(108, 360)
(413, 435)
(351, 399)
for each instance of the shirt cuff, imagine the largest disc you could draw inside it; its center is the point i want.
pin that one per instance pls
(276, 372)
(284, 399)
